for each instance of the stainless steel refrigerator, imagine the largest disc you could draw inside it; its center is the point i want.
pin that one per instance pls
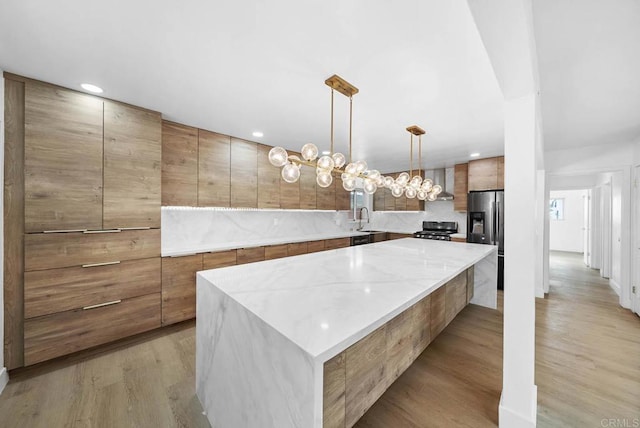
(485, 223)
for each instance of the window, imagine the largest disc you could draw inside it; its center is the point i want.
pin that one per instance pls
(556, 209)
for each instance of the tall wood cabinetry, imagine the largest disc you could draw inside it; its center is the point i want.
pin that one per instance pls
(179, 165)
(477, 175)
(207, 169)
(84, 208)
(486, 174)
(460, 187)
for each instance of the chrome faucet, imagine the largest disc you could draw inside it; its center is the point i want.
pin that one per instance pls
(360, 219)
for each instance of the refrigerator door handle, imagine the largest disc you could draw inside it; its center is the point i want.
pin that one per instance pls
(497, 222)
(493, 226)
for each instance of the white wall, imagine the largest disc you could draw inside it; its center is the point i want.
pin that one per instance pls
(567, 234)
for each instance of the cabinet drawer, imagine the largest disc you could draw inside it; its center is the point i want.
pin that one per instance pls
(179, 288)
(276, 252)
(332, 244)
(391, 236)
(297, 248)
(57, 250)
(315, 246)
(54, 335)
(250, 255)
(218, 259)
(57, 290)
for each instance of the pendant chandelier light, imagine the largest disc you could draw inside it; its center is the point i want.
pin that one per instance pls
(413, 186)
(325, 165)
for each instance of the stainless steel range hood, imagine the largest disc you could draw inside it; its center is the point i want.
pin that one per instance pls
(440, 177)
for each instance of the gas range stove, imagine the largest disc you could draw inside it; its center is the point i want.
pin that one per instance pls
(437, 230)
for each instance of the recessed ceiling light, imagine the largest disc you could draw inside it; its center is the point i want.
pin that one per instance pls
(92, 88)
(474, 155)
(326, 152)
(258, 134)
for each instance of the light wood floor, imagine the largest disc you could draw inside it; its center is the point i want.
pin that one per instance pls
(588, 368)
(587, 350)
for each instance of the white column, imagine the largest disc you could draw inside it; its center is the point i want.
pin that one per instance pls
(541, 210)
(4, 377)
(519, 396)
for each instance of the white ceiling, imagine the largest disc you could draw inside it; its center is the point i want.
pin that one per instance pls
(239, 66)
(589, 63)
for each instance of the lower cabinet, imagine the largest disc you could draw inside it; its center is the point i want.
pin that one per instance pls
(391, 236)
(332, 244)
(179, 287)
(83, 289)
(357, 377)
(62, 333)
(276, 251)
(250, 255)
(297, 248)
(315, 246)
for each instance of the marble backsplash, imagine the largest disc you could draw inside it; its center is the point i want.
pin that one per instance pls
(194, 229)
(185, 228)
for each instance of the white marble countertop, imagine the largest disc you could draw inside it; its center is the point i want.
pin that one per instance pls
(261, 242)
(459, 235)
(324, 302)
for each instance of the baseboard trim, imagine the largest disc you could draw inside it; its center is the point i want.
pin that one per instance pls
(615, 286)
(507, 418)
(4, 378)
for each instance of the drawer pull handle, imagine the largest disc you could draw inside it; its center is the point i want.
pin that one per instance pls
(65, 231)
(103, 231)
(100, 305)
(100, 264)
(136, 228)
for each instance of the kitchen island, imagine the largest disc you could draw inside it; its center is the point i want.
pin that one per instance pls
(314, 340)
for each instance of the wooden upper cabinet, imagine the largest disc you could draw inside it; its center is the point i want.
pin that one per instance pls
(214, 169)
(378, 200)
(460, 187)
(389, 200)
(268, 180)
(179, 165)
(244, 174)
(132, 166)
(62, 159)
(400, 203)
(290, 192)
(326, 196)
(501, 172)
(308, 189)
(483, 174)
(343, 198)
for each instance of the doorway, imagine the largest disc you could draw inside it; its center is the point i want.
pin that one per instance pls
(569, 222)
